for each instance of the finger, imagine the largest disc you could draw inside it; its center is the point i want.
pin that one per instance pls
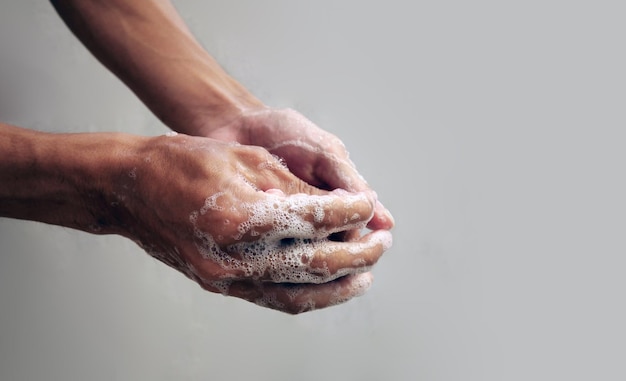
(321, 162)
(382, 218)
(295, 215)
(302, 260)
(298, 298)
(342, 173)
(332, 171)
(337, 259)
(274, 217)
(289, 183)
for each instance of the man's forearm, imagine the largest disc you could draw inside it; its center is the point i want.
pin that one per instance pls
(58, 179)
(149, 47)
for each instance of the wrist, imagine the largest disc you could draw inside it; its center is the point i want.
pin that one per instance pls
(99, 169)
(213, 101)
(62, 179)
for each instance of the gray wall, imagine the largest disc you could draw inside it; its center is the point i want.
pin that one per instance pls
(494, 131)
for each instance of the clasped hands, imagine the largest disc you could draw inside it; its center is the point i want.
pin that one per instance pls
(246, 200)
(237, 220)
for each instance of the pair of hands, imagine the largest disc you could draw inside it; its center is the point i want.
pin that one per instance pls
(264, 220)
(232, 217)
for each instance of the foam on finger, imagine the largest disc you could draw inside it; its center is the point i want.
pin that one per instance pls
(285, 242)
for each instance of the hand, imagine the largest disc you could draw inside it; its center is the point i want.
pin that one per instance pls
(311, 153)
(149, 47)
(236, 221)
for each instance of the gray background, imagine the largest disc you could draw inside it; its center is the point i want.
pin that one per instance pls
(493, 130)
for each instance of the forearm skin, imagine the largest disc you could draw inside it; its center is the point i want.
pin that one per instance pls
(61, 179)
(149, 47)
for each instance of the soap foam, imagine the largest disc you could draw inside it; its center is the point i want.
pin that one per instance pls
(277, 164)
(284, 252)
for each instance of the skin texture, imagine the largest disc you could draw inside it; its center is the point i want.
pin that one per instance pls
(247, 200)
(231, 217)
(149, 47)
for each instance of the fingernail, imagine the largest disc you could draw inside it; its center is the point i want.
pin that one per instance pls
(276, 192)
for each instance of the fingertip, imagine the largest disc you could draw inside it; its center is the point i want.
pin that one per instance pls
(385, 238)
(384, 215)
(364, 282)
(381, 221)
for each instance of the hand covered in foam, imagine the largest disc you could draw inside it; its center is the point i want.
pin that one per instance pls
(311, 153)
(237, 221)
